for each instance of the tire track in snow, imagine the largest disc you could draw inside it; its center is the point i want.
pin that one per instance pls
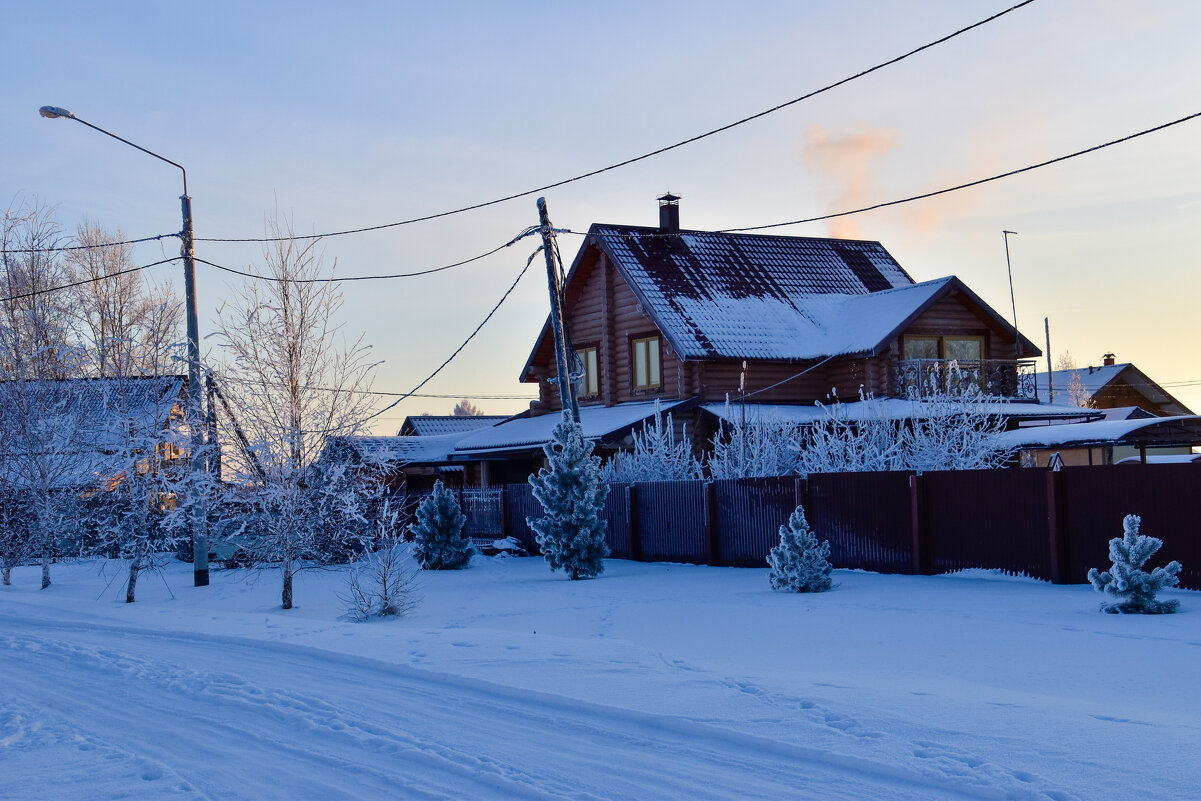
(313, 723)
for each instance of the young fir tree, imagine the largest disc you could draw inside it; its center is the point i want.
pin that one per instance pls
(571, 533)
(1134, 587)
(800, 563)
(439, 543)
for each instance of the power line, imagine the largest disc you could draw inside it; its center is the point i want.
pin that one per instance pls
(97, 279)
(333, 279)
(459, 349)
(93, 246)
(644, 156)
(978, 182)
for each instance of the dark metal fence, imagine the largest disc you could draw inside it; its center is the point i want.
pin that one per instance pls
(1050, 525)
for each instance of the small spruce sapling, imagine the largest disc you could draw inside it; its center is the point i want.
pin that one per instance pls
(1134, 587)
(800, 563)
(438, 532)
(571, 533)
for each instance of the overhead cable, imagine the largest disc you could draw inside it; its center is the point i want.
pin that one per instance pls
(98, 278)
(59, 249)
(644, 156)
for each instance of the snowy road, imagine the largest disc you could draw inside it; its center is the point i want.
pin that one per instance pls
(111, 710)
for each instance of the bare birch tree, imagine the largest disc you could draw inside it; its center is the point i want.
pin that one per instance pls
(296, 381)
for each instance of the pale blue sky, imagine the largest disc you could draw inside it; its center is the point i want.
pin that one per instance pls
(360, 114)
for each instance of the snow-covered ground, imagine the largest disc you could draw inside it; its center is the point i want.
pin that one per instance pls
(653, 682)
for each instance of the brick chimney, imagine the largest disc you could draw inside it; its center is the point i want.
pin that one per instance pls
(1107, 360)
(669, 213)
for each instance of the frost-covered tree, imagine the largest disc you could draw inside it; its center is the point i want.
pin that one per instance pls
(1133, 587)
(465, 408)
(297, 382)
(438, 541)
(656, 456)
(571, 533)
(800, 563)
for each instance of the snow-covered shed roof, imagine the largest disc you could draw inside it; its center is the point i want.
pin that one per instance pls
(398, 450)
(1179, 430)
(432, 425)
(887, 409)
(1094, 379)
(526, 433)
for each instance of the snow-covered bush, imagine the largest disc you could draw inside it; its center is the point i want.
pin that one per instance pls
(1126, 581)
(382, 583)
(800, 563)
(657, 455)
(571, 533)
(755, 444)
(438, 541)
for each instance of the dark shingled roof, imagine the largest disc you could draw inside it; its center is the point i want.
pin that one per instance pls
(430, 425)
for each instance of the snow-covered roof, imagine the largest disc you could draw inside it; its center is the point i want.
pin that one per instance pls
(1180, 430)
(401, 450)
(93, 419)
(1163, 458)
(532, 432)
(431, 425)
(884, 408)
(1094, 379)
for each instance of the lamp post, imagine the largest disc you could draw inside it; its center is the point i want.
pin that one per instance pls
(195, 406)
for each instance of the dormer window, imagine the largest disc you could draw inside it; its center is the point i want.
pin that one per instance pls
(646, 363)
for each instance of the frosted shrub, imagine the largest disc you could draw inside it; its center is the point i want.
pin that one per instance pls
(1126, 581)
(754, 445)
(438, 533)
(381, 583)
(800, 563)
(571, 533)
(657, 455)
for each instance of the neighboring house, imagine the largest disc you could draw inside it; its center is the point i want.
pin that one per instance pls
(75, 434)
(432, 425)
(1137, 436)
(1109, 386)
(693, 318)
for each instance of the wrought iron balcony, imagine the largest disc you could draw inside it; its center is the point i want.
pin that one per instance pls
(1003, 378)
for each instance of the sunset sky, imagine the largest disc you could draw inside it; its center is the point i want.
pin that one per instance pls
(358, 114)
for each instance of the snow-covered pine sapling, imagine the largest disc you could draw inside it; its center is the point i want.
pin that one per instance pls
(438, 533)
(800, 563)
(571, 533)
(1126, 581)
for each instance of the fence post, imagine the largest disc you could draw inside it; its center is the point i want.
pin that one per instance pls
(1055, 539)
(802, 494)
(504, 511)
(632, 521)
(921, 540)
(712, 532)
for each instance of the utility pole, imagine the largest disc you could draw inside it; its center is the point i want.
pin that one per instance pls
(555, 286)
(1050, 372)
(1017, 341)
(196, 418)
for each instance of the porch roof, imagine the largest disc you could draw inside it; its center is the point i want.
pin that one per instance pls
(889, 409)
(1162, 431)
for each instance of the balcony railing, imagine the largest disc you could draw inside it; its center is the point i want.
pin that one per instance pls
(1004, 378)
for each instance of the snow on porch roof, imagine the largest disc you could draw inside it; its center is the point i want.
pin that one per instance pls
(1182, 430)
(883, 408)
(534, 432)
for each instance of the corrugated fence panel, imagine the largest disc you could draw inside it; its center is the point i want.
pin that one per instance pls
(1166, 496)
(671, 521)
(994, 519)
(750, 512)
(616, 516)
(866, 518)
(520, 503)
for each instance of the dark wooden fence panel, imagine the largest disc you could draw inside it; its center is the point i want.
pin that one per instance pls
(1167, 497)
(671, 520)
(749, 514)
(994, 519)
(866, 518)
(617, 525)
(519, 504)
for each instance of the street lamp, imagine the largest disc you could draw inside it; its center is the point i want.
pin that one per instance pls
(195, 410)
